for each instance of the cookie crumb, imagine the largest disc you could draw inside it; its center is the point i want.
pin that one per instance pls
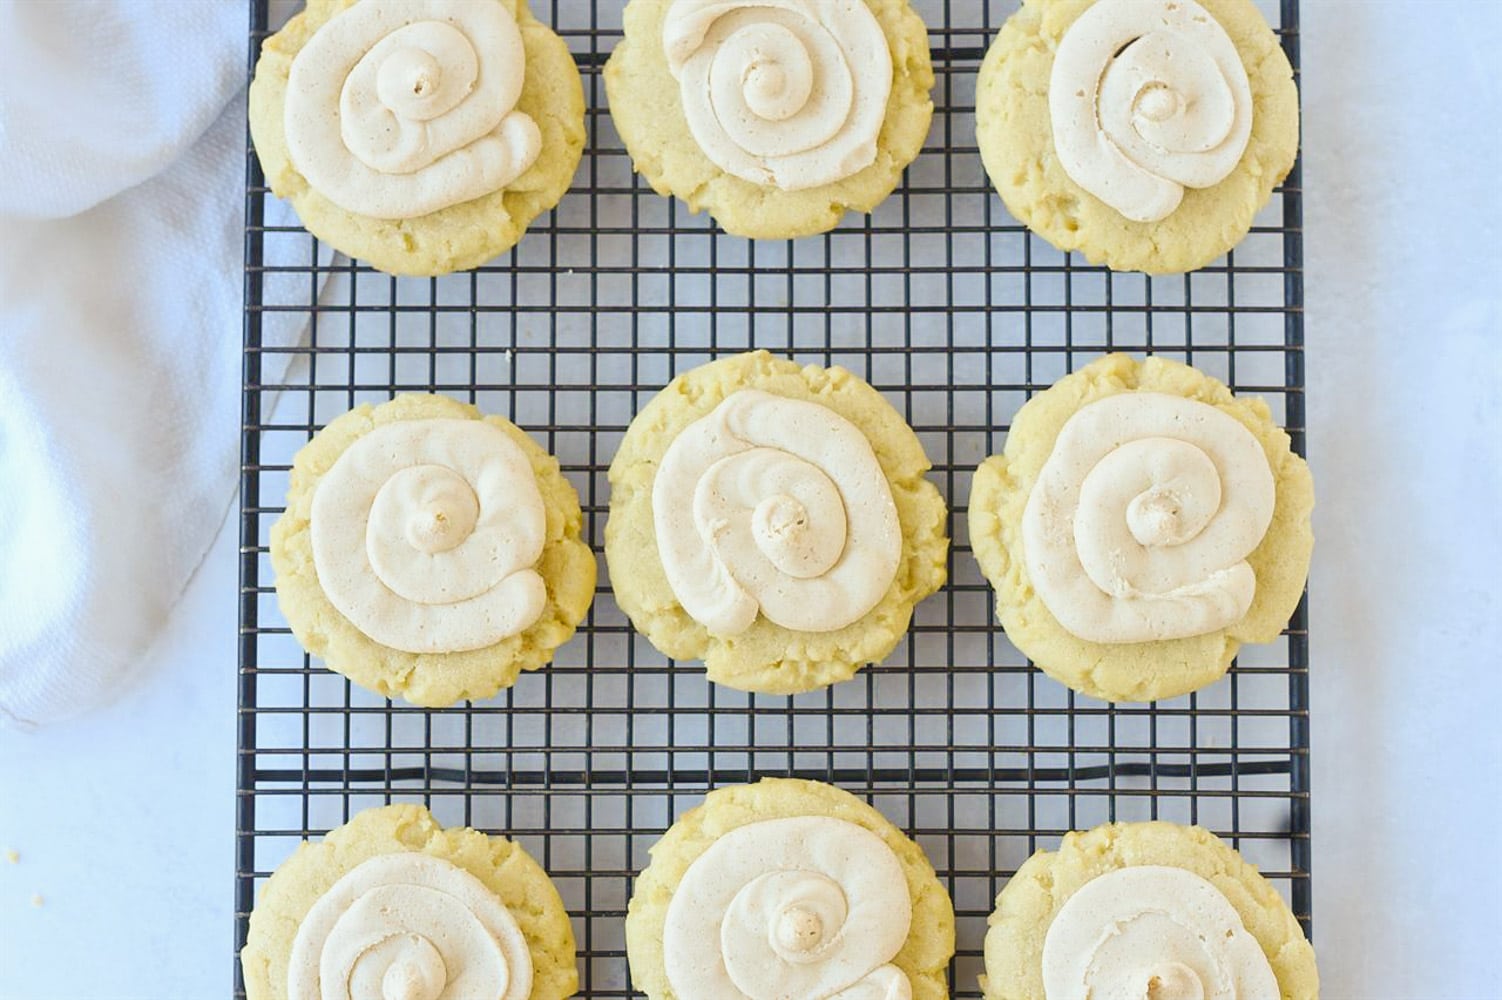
(13, 857)
(37, 901)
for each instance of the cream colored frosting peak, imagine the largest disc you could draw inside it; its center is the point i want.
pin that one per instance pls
(1141, 520)
(409, 927)
(1148, 97)
(788, 93)
(398, 108)
(1153, 933)
(425, 534)
(809, 907)
(777, 506)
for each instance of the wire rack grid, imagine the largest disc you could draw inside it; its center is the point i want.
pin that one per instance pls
(948, 307)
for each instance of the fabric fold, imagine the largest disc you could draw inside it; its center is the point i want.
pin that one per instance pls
(121, 278)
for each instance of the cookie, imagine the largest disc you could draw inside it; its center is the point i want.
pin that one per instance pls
(1146, 134)
(774, 521)
(422, 136)
(392, 900)
(429, 553)
(1140, 525)
(775, 117)
(788, 888)
(1129, 904)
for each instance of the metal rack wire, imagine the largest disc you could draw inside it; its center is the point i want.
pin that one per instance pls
(957, 315)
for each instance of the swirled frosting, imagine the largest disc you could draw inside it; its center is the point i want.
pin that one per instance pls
(775, 505)
(790, 93)
(1153, 933)
(1141, 519)
(425, 534)
(1148, 97)
(398, 108)
(809, 907)
(409, 927)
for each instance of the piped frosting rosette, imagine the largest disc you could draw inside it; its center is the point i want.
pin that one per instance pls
(425, 534)
(788, 93)
(1153, 932)
(809, 907)
(1145, 911)
(788, 889)
(429, 552)
(392, 906)
(774, 520)
(409, 926)
(1148, 97)
(1146, 135)
(778, 507)
(1141, 521)
(399, 108)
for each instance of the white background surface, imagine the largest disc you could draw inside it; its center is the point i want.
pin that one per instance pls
(124, 820)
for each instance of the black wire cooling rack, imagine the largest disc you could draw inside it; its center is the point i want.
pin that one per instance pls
(946, 305)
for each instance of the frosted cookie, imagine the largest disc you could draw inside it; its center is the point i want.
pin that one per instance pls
(1145, 911)
(788, 888)
(393, 906)
(1146, 134)
(775, 116)
(423, 136)
(774, 521)
(430, 553)
(1141, 524)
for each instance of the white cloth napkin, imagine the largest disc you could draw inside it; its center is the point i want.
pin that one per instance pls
(122, 173)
